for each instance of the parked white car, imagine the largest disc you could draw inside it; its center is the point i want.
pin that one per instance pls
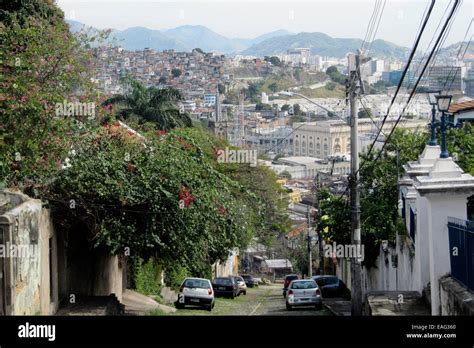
(196, 292)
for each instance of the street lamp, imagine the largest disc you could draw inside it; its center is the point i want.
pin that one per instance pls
(433, 102)
(443, 102)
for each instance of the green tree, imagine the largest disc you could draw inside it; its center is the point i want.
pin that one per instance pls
(43, 65)
(162, 80)
(259, 106)
(159, 106)
(335, 75)
(221, 88)
(379, 197)
(273, 87)
(253, 91)
(176, 72)
(296, 109)
(275, 61)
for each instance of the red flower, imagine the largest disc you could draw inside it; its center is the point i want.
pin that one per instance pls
(131, 168)
(222, 211)
(161, 132)
(185, 196)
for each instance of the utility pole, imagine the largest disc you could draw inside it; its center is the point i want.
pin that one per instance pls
(310, 256)
(355, 86)
(318, 226)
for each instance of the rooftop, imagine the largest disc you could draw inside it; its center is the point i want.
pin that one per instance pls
(464, 106)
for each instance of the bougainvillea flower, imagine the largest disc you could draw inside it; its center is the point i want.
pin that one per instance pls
(186, 196)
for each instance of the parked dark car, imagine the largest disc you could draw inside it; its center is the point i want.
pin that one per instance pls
(249, 280)
(332, 286)
(287, 282)
(226, 287)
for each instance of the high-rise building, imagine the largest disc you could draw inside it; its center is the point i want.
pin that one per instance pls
(445, 77)
(469, 83)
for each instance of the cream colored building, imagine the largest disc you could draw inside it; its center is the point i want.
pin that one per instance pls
(322, 139)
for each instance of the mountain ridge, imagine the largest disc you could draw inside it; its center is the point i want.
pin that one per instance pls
(188, 37)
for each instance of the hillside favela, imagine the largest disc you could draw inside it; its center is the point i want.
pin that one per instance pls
(203, 158)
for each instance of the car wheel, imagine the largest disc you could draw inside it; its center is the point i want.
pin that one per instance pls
(209, 308)
(179, 305)
(245, 293)
(284, 294)
(288, 307)
(232, 296)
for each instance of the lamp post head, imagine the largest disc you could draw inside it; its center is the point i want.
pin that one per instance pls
(432, 97)
(443, 101)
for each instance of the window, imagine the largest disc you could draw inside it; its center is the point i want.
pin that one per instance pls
(310, 284)
(325, 147)
(403, 207)
(337, 148)
(303, 144)
(318, 146)
(412, 225)
(297, 143)
(310, 145)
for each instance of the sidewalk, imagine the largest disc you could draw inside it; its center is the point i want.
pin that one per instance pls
(338, 306)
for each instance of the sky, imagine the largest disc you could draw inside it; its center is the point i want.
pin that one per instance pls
(250, 18)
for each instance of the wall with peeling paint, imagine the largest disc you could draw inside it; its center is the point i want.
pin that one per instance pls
(29, 277)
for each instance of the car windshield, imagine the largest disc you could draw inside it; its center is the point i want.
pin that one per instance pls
(291, 277)
(196, 283)
(223, 281)
(331, 280)
(304, 285)
(247, 277)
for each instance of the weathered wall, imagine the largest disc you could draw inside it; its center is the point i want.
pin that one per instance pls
(27, 228)
(395, 270)
(454, 298)
(227, 268)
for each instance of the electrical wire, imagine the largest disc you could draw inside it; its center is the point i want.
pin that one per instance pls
(443, 30)
(405, 71)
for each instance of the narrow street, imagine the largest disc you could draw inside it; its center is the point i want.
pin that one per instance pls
(264, 300)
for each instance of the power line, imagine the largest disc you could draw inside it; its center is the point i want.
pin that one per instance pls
(459, 53)
(443, 30)
(370, 25)
(412, 54)
(376, 28)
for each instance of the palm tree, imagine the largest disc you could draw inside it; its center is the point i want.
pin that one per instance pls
(156, 105)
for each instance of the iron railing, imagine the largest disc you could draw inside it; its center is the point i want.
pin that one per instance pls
(461, 246)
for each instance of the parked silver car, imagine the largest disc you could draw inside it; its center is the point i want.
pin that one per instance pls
(303, 292)
(196, 292)
(242, 288)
